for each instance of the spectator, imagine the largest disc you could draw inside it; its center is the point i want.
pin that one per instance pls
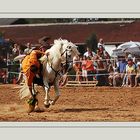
(27, 50)
(111, 74)
(102, 73)
(113, 78)
(90, 69)
(77, 67)
(131, 72)
(137, 78)
(104, 54)
(89, 53)
(101, 43)
(15, 50)
(2, 62)
(3, 76)
(84, 71)
(121, 65)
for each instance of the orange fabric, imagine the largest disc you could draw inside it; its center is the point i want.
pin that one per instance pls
(25, 65)
(29, 77)
(89, 65)
(28, 61)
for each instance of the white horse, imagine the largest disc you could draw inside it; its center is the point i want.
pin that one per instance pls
(61, 52)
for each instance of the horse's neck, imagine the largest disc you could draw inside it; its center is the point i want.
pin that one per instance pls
(55, 61)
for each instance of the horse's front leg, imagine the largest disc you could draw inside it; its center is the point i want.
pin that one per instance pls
(47, 96)
(57, 92)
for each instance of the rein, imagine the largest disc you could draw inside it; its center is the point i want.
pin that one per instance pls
(62, 65)
(58, 72)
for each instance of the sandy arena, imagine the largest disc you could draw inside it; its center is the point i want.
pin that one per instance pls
(94, 104)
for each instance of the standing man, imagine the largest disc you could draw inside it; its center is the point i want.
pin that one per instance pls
(89, 53)
(101, 43)
(26, 51)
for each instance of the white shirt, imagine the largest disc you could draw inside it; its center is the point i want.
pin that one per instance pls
(100, 44)
(88, 55)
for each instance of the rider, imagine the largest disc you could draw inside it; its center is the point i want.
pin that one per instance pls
(31, 67)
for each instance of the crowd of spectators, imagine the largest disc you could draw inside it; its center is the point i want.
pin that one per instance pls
(121, 71)
(10, 69)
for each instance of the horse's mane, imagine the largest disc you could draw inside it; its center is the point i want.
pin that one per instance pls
(54, 49)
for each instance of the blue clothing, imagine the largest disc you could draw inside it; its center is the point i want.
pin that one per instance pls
(122, 66)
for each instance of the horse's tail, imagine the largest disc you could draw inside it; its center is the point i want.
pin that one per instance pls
(24, 91)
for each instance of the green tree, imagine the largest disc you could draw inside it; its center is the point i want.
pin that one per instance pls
(92, 42)
(1, 34)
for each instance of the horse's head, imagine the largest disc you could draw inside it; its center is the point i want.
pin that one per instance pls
(62, 49)
(69, 50)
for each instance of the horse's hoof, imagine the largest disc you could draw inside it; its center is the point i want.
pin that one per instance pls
(38, 110)
(47, 106)
(31, 108)
(52, 103)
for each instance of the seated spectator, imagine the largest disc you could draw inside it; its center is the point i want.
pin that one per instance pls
(137, 78)
(77, 67)
(121, 65)
(84, 71)
(111, 74)
(117, 81)
(131, 72)
(90, 69)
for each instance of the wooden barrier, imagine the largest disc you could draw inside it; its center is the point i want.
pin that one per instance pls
(81, 83)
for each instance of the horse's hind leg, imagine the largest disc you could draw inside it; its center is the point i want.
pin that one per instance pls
(35, 94)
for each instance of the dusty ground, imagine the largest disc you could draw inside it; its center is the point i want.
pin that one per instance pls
(75, 104)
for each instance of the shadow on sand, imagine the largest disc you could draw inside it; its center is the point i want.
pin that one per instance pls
(83, 109)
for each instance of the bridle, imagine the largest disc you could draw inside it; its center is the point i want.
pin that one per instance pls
(67, 62)
(64, 65)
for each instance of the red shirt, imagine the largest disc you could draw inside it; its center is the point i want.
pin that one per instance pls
(84, 64)
(89, 65)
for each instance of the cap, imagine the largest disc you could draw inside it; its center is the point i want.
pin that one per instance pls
(130, 56)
